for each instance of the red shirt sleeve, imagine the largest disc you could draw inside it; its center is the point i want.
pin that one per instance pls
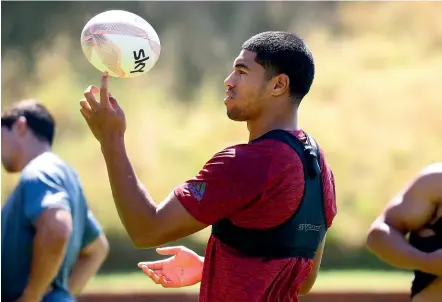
(228, 182)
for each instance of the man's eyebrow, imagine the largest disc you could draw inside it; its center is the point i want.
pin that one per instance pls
(242, 65)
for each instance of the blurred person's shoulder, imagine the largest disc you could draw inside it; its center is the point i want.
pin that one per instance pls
(46, 165)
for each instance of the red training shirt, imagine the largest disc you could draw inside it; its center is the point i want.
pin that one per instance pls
(255, 185)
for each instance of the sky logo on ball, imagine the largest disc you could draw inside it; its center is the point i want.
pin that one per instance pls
(140, 60)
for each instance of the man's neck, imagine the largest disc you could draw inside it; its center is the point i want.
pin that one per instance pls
(265, 124)
(33, 152)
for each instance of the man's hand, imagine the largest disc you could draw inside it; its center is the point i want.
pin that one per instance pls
(105, 119)
(185, 268)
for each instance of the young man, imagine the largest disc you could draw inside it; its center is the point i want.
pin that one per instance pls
(415, 211)
(259, 249)
(51, 243)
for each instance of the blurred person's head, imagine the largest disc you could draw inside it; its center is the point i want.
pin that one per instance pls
(27, 131)
(272, 74)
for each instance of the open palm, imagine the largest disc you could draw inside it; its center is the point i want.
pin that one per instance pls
(184, 268)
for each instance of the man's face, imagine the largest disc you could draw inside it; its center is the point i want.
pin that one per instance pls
(246, 88)
(11, 150)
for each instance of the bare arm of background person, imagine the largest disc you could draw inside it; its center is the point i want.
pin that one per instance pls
(53, 229)
(89, 262)
(308, 283)
(409, 211)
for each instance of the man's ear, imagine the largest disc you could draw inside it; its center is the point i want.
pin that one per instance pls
(21, 126)
(281, 84)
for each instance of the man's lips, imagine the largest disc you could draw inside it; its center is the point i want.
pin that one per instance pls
(229, 96)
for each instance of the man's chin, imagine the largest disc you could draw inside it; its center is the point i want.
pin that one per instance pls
(10, 168)
(235, 115)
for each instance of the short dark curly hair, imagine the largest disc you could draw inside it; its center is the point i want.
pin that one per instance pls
(282, 52)
(38, 119)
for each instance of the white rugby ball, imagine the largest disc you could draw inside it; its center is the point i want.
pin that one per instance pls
(121, 43)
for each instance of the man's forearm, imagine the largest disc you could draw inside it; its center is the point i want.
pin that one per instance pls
(47, 257)
(85, 268)
(135, 206)
(392, 247)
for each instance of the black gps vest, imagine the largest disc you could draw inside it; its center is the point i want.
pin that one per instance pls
(300, 235)
(425, 244)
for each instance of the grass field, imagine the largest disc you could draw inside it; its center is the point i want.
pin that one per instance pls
(327, 281)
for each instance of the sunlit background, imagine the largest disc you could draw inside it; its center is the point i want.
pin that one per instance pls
(375, 104)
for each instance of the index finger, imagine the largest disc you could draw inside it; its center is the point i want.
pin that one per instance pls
(154, 265)
(104, 95)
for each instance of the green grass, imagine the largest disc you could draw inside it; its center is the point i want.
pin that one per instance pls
(327, 281)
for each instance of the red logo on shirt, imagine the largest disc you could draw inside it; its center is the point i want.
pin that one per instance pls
(197, 189)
